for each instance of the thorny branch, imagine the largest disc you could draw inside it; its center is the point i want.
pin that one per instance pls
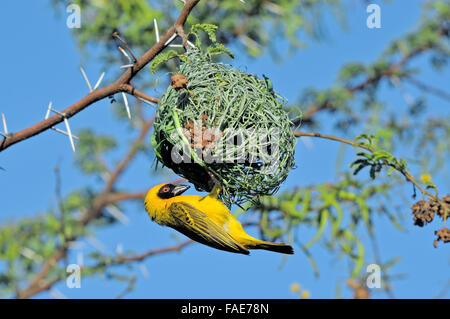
(131, 90)
(122, 84)
(407, 175)
(38, 283)
(375, 79)
(41, 282)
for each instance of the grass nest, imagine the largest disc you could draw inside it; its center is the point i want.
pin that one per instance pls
(219, 124)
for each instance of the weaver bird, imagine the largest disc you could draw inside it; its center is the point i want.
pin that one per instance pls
(204, 219)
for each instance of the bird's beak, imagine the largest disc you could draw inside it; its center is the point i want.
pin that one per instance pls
(180, 189)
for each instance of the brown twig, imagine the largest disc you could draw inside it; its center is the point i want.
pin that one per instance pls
(119, 197)
(391, 70)
(334, 138)
(122, 259)
(180, 31)
(117, 36)
(133, 91)
(39, 283)
(405, 173)
(427, 88)
(307, 117)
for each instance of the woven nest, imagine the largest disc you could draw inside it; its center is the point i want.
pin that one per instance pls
(217, 123)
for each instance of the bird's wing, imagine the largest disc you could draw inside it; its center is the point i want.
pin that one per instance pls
(195, 224)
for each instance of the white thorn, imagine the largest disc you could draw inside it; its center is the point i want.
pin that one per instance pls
(65, 133)
(86, 79)
(307, 141)
(99, 81)
(104, 176)
(69, 133)
(5, 128)
(147, 102)
(409, 99)
(97, 244)
(125, 54)
(119, 249)
(127, 107)
(126, 66)
(190, 43)
(31, 254)
(170, 39)
(48, 110)
(247, 41)
(144, 270)
(57, 112)
(156, 30)
(117, 214)
(180, 45)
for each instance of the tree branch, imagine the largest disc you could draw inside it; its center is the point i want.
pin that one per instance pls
(131, 90)
(102, 93)
(120, 260)
(393, 68)
(39, 283)
(407, 175)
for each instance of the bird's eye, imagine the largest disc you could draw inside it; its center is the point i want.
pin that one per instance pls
(165, 189)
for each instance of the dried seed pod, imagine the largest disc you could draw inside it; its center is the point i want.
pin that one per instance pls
(444, 205)
(422, 213)
(442, 235)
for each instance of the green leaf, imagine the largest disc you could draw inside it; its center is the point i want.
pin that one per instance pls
(161, 58)
(219, 48)
(209, 29)
(323, 223)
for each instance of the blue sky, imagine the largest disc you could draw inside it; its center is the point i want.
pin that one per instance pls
(40, 62)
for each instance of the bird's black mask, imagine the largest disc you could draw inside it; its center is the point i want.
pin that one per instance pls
(169, 190)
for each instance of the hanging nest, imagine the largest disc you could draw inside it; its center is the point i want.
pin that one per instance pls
(217, 123)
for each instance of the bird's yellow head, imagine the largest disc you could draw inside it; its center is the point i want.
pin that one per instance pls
(158, 198)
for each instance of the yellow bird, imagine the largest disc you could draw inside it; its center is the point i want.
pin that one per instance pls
(204, 219)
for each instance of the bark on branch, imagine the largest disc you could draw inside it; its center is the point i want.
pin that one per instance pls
(99, 94)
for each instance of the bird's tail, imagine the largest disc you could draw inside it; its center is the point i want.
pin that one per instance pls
(279, 248)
